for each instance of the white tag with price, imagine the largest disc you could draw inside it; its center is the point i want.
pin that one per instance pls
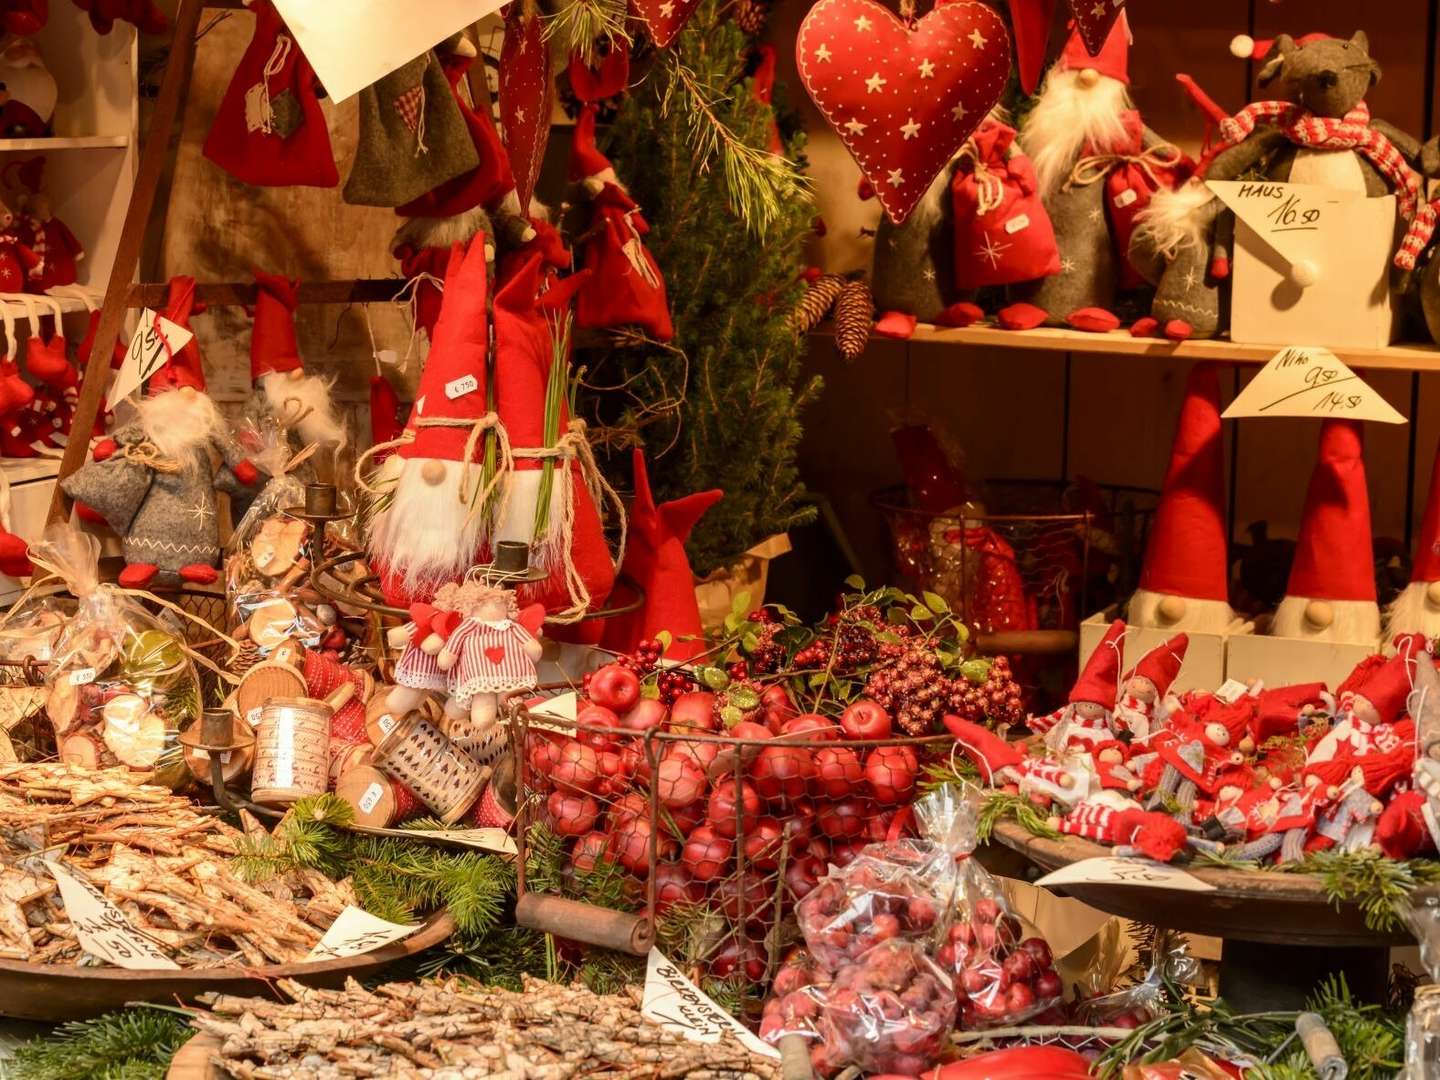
(354, 932)
(1310, 381)
(677, 1004)
(155, 341)
(1109, 870)
(102, 928)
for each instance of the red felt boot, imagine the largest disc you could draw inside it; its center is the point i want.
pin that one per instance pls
(199, 573)
(1093, 320)
(1179, 330)
(1021, 317)
(1145, 327)
(138, 575)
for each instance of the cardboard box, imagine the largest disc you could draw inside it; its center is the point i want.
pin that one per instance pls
(1284, 661)
(1204, 667)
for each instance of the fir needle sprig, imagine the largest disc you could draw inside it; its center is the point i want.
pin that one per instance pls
(579, 25)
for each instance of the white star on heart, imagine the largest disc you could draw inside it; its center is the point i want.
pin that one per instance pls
(895, 178)
(667, 9)
(977, 39)
(874, 83)
(927, 69)
(862, 24)
(1098, 11)
(822, 53)
(855, 127)
(958, 112)
(910, 128)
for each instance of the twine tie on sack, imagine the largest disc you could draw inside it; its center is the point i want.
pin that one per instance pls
(634, 249)
(1095, 167)
(409, 298)
(989, 189)
(147, 454)
(259, 112)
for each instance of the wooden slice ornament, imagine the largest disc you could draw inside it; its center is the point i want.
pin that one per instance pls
(277, 545)
(380, 719)
(82, 750)
(346, 759)
(272, 622)
(133, 731)
(270, 679)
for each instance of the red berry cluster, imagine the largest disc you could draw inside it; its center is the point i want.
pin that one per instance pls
(997, 700)
(672, 683)
(844, 647)
(999, 979)
(914, 690)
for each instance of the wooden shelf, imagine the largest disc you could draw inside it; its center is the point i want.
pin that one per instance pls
(1120, 343)
(67, 142)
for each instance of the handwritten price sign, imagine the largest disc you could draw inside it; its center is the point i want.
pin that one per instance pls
(674, 1002)
(155, 341)
(354, 932)
(1304, 381)
(1110, 870)
(102, 928)
(1283, 214)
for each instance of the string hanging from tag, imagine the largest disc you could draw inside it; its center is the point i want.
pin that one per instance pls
(259, 112)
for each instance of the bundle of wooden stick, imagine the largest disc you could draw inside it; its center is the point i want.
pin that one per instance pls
(458, 1031)
(157, 858)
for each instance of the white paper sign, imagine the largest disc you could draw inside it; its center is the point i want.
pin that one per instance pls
(1109, 870)
(354, 932)
(677, 1004)
(1285, 216)
(151, 347)
(1309, 381)
(495, 841)
(102, 928)
(354, 44)
(1231, 691)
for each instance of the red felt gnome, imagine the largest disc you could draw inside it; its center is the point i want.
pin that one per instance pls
(625, 286)
(1184, 581)
(655, 560)
(431, 524)
(1417, 609)
(1086, 719)
(301, 403)
(1140, 709)
(1331, 592)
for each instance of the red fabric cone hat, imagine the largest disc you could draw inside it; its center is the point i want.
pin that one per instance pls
(1099, 681)
(272, 337)
(1030, 20)
(1162, 663)
(1113, 60)
(655, 560)
(1388, 688)
(452, 383)
(1186, 554)
(185, 367)
(585, 160)
(1333, 555)
(1427, 551)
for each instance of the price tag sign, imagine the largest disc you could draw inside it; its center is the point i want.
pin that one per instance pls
(677, 1004)
(1231, 691)
(1310, 381)
(560, 707)
(1285, 216)
(354, 932)
(155, 341)
(102, 928)
(1109, 870)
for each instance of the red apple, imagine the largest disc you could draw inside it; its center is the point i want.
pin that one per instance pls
(614, 686)
(844, 820)
(865, 719)
(631, 804)
(604, 721)
(737, 955)
(809, 727)
(542, 754)
(776, 702)
(589, 850)
(890, 771)
(674, 885)
(680, 781)
(631, 844)
(843, 853)
(1039, 950)
(762, 844)
(745, 896)
(728, 801)
(634, 763)
(614, 780)
(694, 711)
(688, 818)
(782, 773)
(837, 772)
(571, 814)
(703, 753)
(578, 768)
(647, 713)
(748, 729)
(706, 854)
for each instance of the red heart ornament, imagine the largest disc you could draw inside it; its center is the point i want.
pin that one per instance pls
(1093, 19)
(665, 18)
(525, 91)
(902, 98)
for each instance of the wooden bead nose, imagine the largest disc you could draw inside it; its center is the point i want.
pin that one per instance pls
(1319, 614)
(433, 473)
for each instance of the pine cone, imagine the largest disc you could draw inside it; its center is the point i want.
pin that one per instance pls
(245, 659)
(819, 298)
(854, 314)
(750, 16)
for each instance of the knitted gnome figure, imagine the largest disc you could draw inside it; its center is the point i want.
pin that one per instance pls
(1086, 719)
(655, 560)
(1096, 163)
(625, 287)
(269, 129)
(154, 483)
(1331, 592)
(300, 403)
(431, 521)
(1416, 610)
(1172, 247)
(1140, 709)
(1184, 581)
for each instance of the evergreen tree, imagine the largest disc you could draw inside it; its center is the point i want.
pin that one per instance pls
(720, 406)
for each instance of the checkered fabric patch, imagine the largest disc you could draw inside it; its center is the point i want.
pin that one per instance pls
(410, 104)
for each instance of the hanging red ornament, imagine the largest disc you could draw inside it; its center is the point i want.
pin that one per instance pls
(902, 98)
(606, 79)
(1031, 20)
(665, 18)
(525, 95)
(1093, 20)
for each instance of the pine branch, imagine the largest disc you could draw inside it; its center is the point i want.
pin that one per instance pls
(1000, 806)
(1380, 886)
(136, 1044)
(580, 24)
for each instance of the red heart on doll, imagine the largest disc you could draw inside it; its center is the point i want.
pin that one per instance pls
(665, 18)
(902, 98)
(1093, 19)
(495, 653)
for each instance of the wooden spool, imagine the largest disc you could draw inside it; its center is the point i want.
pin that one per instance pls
(265, 681)
(446, 779)
(344, 757)
(496, 807)
(292, 750)
(379, 801)
(380, 720)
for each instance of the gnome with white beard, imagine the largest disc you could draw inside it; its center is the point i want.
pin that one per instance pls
(1331, 592)
(430, 515)
(299, 402)
(1184, 583)
(1417, 609)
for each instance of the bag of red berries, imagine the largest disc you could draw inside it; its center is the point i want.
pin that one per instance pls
(1001, 975)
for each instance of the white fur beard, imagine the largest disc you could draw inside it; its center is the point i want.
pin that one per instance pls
(517, 517)
(1355, 622)
(308, 396)
(1201, 616)
(1066, 117)
(1412, 613)
(177, 422)
(426, 534)
(423, 232)
(1173, 219)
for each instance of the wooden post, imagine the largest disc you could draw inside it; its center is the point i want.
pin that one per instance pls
(132, 238)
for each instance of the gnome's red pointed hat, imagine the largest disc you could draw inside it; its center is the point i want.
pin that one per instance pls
(1427, 551)
(1113, 60)
(1388, 687)
(185, 367)
(1100, 679)
(1333, 555)
(1162, 664)
(1186, 554)
(272, 337)
(586, 161)
(451, 396)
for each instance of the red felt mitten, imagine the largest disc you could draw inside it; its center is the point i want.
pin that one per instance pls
(1002, 233)
(1155, 835)
(269, 129)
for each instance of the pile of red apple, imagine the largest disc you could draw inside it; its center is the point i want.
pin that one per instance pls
(776, 792)
(999, 978)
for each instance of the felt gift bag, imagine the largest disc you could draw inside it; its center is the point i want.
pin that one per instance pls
(269, 129)
(412, 137)
(489, 180)
(1002, 233)
(1136, 174)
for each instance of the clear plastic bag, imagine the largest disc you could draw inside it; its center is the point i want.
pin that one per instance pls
(891, 1011)
(120, 686)
(1141, 1002)
(33, 627)
(871, 900)
(1422, 1028)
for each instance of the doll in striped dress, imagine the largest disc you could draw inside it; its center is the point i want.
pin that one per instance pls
(420, 640)
(492, 652)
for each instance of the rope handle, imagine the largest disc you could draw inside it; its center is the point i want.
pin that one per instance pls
(12, 347)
